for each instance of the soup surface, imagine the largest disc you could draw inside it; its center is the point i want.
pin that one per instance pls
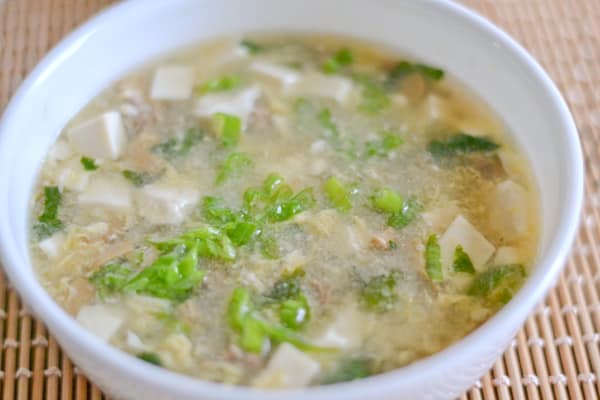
(283, 212)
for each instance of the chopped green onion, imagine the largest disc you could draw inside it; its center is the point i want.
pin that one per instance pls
(222, 84)
(405, 68)
(111, 278)
(374, 98)
(433, 259)
(234, 166)
(48, 222)
(228, 128)
(326, 120)
(294, 313)
(462, 261)
(387, 200)
(498, 284)
(383, 146)
(89, 164)
(461, 143)
(410, 211)
(341, 59)
(338, 194)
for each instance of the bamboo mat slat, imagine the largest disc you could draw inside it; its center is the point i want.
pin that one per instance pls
(555, 356)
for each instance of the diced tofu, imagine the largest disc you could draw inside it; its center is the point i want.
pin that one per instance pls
(439, 218)
(461, 232)
(275, 74)
(288, 368)
(102, 320)
(507, 255)
(100, 137)
(348, 330)
(112, 192)
(172, 83)
(134, 342)
(61, 150)
(239, 103)
(72, 176)
(52, 246)
(319, 85)
(435, 107)
(508, 210)
(166, 204)
(512, 164)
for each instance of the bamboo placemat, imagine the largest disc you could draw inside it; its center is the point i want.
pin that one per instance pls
(555, 356)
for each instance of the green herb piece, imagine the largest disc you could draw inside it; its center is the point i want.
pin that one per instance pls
(238, 225)
(175, 148)
(409, 212)
(228, 128)
(433, 259)
(288, 286)
(138, 179)
(295, 313)
(207, 241)
(374, 98)
(380, 292)
(405, 68)
(350, 369)
(48, 222)
(269, 247)
(89, 164)
(151, 358)
(245, 318)
(286, 208)
(338, 194)
(222, 84)
(339, 60)
(326, 120)
(233, 167)
(460, 144)
(392, 245)
(384, 146)
(173, 276)
(387, 200)
(251, 46)
(462, 261)
(111, 278)
(498, 284)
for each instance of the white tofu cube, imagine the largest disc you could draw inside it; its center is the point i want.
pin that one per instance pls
(100, 137)
(240, 103)
(461, 232)
(72, 176)
(347, 331)
(275, 74)
(135, 343)
(288, 368)
(60, 151)
(439, 218)
(101, 320)
(435, 107)
(319, 85)
(52, 246)
(172, 83)
(107, 191)
(508, 210)
(166, 204)
(507, 255)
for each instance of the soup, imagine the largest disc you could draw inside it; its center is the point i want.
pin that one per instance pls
(284, 211)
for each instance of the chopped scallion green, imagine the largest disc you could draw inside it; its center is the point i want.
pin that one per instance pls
(89, 164)
(433, 259)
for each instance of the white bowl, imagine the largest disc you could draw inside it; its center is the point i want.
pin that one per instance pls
(440, 33)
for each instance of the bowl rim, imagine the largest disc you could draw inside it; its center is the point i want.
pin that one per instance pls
(545, 274)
